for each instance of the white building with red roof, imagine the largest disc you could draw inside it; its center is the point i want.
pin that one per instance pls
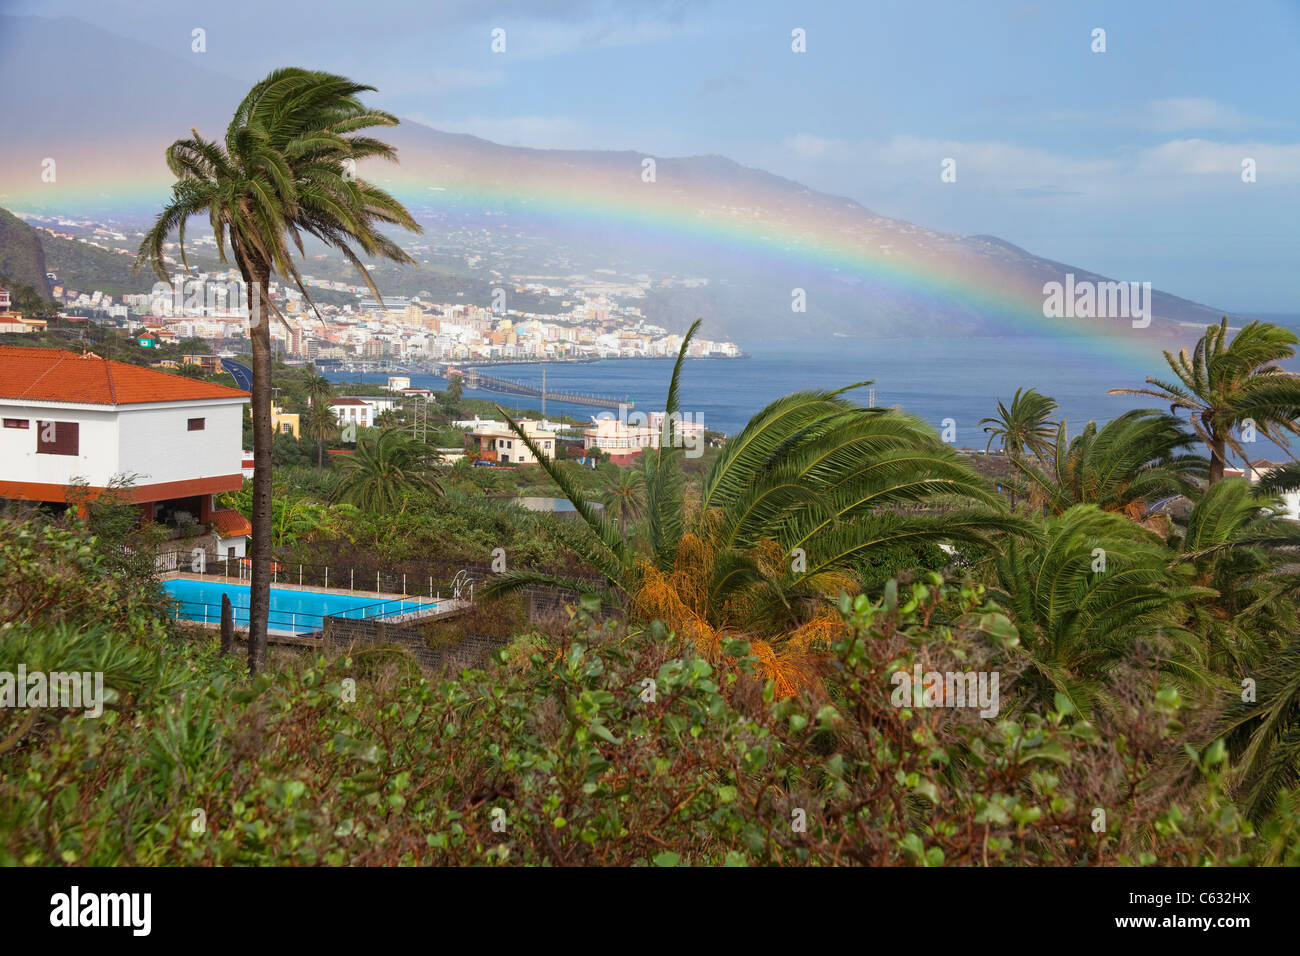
(71, 419)
(353, 411)
(11, 321)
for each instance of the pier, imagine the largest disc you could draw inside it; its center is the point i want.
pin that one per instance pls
(472, 378)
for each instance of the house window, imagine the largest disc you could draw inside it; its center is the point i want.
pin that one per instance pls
(17, 423)
(195, 424)
(57, 438)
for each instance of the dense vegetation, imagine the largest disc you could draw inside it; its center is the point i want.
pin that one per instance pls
(724, 687)
(562, 752)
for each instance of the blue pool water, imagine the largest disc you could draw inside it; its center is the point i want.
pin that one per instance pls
(295, 611)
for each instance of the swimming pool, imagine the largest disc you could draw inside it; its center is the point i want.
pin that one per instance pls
(298, 612)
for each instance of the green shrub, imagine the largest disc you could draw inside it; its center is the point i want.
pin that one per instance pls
(558, 753)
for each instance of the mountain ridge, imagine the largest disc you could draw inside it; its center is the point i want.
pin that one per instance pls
(778, 229)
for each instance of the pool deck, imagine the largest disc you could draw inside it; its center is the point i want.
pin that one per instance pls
(444, 608)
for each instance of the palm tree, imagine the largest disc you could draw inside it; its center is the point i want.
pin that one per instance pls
(1083, 594)
(1264, 732)
(813, 484)
(1132, 461)
(1025, 426)
(1240, 544)
(1228, 384)
(1236, 542)
(384, 471)
(286, 167)
(624, 498)
(320, 424)
(451, 396)
(319, 390)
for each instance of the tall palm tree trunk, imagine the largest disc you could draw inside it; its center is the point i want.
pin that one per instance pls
(258, 277)
(1218, 459)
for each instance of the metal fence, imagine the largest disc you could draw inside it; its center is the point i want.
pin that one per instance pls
(297, 622)
(428, 581)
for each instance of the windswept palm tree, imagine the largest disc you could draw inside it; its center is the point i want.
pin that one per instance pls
(287, 167)
(384, 472)
(1225, 384)
(1025, 426)
(813, 484)
(1124, 466)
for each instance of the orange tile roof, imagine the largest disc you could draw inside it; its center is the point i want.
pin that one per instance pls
(53, 375)
(230, 524)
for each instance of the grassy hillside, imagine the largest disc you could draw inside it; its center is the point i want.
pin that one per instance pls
(87, 268)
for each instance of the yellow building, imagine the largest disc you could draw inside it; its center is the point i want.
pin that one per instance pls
(282, 422)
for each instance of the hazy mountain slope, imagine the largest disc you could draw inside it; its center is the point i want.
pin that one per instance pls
(754, 236)
(22, 260)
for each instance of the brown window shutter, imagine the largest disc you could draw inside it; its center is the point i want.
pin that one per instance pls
(58, 438)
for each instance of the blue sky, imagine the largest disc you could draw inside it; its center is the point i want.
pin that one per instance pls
(1126, 162)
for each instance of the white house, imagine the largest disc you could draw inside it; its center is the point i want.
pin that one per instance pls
(353, 411)
(11, 321)
(491, 443)
(380, 403)
(72, 420)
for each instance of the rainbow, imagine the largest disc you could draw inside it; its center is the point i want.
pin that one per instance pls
(768, 224)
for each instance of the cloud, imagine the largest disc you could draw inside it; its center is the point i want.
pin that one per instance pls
(1199, 157)
(1188, 112)
(1171, 114)
(438, 79)
(536, 40)
(999, 167)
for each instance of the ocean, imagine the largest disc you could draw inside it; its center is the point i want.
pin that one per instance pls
(935, 378)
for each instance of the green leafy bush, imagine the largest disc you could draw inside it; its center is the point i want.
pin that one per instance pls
(562, 751)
